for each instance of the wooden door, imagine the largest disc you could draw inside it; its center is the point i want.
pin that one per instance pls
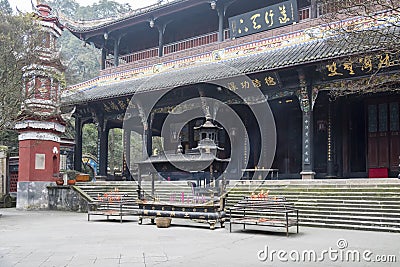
(383, 135)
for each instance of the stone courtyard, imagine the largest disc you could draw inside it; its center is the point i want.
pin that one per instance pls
(53, 238)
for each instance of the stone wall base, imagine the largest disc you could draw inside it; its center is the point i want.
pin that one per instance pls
(66, 199)
(32, 195)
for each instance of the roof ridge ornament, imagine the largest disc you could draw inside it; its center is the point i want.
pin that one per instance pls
(33, 5)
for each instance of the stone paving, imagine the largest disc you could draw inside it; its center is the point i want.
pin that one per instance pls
(50, 238)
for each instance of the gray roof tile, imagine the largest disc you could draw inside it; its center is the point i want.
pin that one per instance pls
(290, 56)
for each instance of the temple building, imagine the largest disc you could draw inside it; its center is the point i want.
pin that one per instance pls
(287, 94)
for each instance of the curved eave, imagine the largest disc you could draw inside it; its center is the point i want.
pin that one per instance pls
(288, 57)
(55, 21)
(51, 18)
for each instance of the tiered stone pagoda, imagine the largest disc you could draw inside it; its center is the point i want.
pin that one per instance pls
(41, 124)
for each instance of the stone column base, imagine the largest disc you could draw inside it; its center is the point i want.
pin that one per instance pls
(100, 178)
(307, 175)
(33, 195)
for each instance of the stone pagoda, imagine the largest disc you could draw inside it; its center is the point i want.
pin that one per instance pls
(41, 124)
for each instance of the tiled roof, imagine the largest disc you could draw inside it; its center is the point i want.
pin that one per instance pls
(289, 56)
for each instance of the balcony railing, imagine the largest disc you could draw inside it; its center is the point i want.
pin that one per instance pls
(169, 48)
(140, 55)
(182, 45)
(194, 42)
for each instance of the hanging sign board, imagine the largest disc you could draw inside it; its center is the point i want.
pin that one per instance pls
(264, 19)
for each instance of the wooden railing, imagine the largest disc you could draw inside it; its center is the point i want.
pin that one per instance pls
(194, 42)
(140, 55)
(204, 42)
(198, 41)
(211, 47)
(168, 49)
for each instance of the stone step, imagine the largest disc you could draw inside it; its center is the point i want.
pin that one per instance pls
(366, 208)
(236, 191)
(349, 221)
(319, 192)
(363, 204)
(338, 204)
(350, 226)
(343, 193)
(335, 203)
(320, 182)
(359, 216)
(394, 213)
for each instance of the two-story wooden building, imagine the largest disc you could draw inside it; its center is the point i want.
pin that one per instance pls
(333, 102)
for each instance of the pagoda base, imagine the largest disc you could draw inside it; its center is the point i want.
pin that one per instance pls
(33, 195)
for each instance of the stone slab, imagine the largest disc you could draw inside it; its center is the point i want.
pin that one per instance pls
(32, 195)
(55, 238)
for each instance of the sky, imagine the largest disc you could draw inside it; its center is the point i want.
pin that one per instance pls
(25, 5)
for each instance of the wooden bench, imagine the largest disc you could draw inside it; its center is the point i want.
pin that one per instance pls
(267, 211)
(113, 205)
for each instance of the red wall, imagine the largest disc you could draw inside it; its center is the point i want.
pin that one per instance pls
(27, 156)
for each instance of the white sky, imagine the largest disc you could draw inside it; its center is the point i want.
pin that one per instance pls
(25, 5)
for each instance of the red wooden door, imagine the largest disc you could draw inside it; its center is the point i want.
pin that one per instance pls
(383, 135)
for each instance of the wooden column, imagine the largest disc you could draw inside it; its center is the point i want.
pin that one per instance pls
(116, 51)
(102, 144)
(103, 58)
(314, 9)
(148, 138)
(221, 18)
(127, 153)
(305, 99)
(192, 143)
(330, 143)
(161, 30)
(78, 145)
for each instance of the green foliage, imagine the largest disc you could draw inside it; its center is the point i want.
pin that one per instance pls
(102, 9)
(19, 38)
(89, 139)
(67, 7)
(83, 63)
(115, 149)
(9, 138)
(83, 60)
(5, 7)
(136, 148)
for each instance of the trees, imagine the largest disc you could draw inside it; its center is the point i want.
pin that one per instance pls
(378, 23)
(102, 9)
(15, 53)
(83, 61)
(5, 7)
